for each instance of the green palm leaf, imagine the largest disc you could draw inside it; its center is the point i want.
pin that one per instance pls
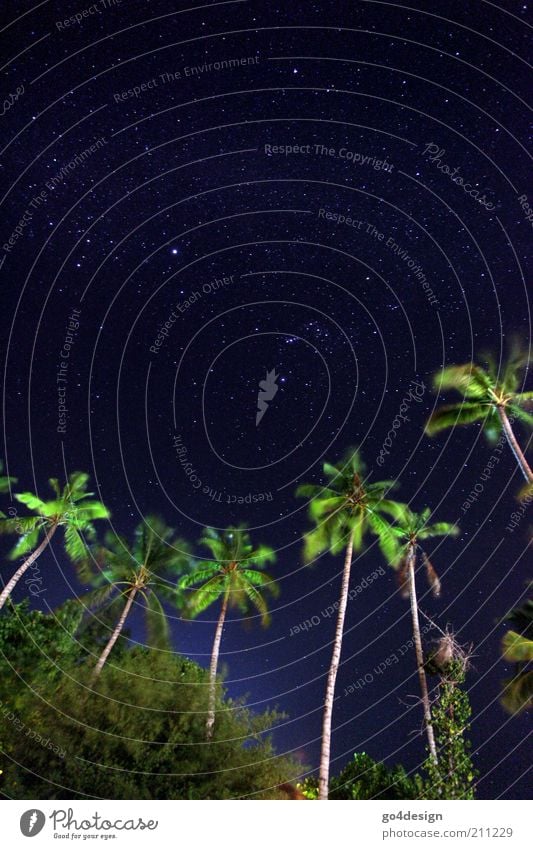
(91, 510)
(521, 415)
(31, 501)
(202, 598)
(439, 529)
(260, 556)
(258, 601)
(321, 506)
(518, 693)
(517, 647)
(5, 481)
(386, 540)
(97, 598)
(26, 543)
(468, 378)
(261, 579)
(75, 545)
(313, 490)
(208, 571)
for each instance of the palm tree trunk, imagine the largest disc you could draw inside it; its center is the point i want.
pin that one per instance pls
(323, 778)
(210, 723)
(11, 584)
(114, 636)
(514, 446)
(419, 654)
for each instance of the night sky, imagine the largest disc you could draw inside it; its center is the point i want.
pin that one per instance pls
(176, 186)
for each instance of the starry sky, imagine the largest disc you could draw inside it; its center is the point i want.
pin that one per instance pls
(195, 194)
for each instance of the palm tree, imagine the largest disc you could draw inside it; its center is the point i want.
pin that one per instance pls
(73, 509)
(234, 575)
(147, 569)
(491, 396)
(410, 530)
(344, 510)
(517, 647)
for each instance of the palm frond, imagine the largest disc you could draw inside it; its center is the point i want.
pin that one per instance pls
(260, 556)
(313, 490)
(492, 427)
(5, 481)
(523, 399)
(453, 415)
(332, 471)
(91, 510)
(380, 488)
(386, 540)
(54, 485)
(19, 524)
(522, 415)
(157, 628)
(339, 527)
(403, 578)
(96, 598)
(32, 501)
(315, 542)
(263, 580)
(218, 547)
(468, 378)
(258, 602)
(517, 648)
(75, 545)
(518, 693)
(26, 543)
(439, 529)
(394, 508)
(320, 506)
(431, 575)
(517, 359)
(77, 485)
(206, 572)
(202, 598)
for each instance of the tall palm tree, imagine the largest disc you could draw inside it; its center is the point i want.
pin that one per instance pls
(411, 529)
(491, 396)
(145, 570)
(343, 511)
(234, 575)
(73, 509)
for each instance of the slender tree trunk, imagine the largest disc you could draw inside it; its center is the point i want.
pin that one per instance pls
(11, 584)
(114, 636)
(323, 778)
(514, 446)
(210, 723)
(420, 654)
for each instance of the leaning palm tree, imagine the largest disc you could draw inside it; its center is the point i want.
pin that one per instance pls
(492, 396)
(73, 509)
(343, 511)
(411, 529)
(145, 570)
(234, 575)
